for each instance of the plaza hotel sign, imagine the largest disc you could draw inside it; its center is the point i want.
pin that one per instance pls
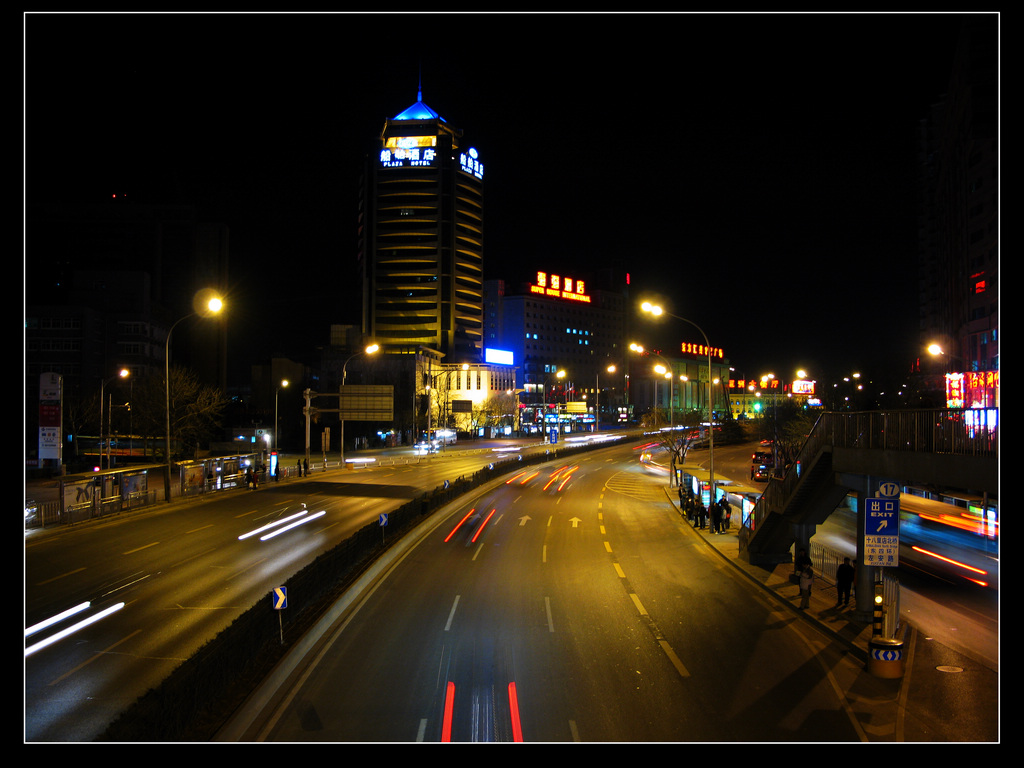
(559, 287)
(408, 151)
(421, 151)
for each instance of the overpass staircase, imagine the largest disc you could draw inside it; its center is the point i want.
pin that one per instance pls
(948, 448)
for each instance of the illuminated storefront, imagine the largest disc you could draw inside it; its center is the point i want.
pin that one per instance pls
(974, 389)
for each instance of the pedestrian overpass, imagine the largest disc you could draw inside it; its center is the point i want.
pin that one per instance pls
(854, 452)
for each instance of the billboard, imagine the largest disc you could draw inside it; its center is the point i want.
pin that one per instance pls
(366, 402)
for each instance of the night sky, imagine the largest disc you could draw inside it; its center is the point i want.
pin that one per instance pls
(756, 171)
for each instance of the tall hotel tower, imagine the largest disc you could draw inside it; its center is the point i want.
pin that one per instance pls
(421, 239)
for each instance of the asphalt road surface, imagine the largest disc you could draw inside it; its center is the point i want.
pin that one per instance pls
(570, 605)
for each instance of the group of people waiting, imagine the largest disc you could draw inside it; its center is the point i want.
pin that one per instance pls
(719, 516)
(252, 476)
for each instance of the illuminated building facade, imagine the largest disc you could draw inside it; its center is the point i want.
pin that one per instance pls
(749, 397)
(421, 236)
(555, 323)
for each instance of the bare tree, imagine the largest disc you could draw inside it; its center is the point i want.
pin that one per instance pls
(196, 410)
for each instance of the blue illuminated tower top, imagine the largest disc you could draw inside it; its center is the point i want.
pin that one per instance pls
(419, 111)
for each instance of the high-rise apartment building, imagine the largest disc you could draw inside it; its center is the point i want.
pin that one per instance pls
(959, 225)
(421, 239)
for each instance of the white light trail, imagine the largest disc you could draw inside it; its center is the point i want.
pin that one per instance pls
(268, 526)
(288, 527)
(56, 619)
(72, 629)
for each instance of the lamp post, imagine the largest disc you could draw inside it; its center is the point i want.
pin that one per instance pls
(447, 403)
(517, 417)
(544, 412)
(208, 305)
(277, 441)
(656, 311)
(636, 349)
(665, 370)
(122, 374)
(597, 398)
(939, 352)
(369, 350)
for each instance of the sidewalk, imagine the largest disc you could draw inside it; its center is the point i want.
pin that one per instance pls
(843, 623)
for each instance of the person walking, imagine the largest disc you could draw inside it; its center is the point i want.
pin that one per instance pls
(844, 582)
(805, 574)
(806, 582)
(803, 561)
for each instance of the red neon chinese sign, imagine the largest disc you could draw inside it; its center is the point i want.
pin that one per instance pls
(560, 287)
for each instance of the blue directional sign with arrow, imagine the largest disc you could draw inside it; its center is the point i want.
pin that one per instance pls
(882, 532)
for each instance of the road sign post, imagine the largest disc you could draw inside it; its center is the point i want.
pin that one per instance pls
(882, 543)
(279, 601)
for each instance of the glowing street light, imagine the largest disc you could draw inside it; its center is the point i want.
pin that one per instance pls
(206, 304)
(657, 311)
(277, 442)
(368, 350)
(597, 398)
(122, 374)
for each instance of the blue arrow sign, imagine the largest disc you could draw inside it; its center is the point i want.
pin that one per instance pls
(883, 517)
(280, 598)
(383, 520)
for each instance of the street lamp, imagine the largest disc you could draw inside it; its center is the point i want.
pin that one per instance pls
(597, 398)
(938, 351)
(207, 304)
(517, 417)
(369, 350)
(544, 402)
(447, 402)
(639, 350)
(277, 442)
(657, 311)
(122, 374)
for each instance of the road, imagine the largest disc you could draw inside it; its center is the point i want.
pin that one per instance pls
(581, 611)
(176, 576)
(571, 605)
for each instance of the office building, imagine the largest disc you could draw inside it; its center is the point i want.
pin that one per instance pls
(560, 322)
(421, 239)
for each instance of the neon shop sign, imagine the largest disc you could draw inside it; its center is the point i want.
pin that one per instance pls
(560, 287)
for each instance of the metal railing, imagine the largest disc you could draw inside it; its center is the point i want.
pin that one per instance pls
(826, 560)
(960, 432)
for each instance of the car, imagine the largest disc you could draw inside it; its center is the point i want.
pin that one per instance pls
(761, 460)
(762, 473)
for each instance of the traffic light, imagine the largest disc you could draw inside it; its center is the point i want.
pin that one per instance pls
(879, 609)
